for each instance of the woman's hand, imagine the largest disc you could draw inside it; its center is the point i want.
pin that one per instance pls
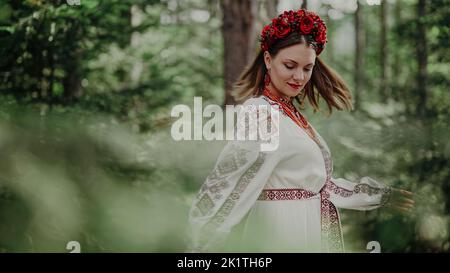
(401, 200)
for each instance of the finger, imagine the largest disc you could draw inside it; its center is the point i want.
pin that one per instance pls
(405, 205)
(407, 201)
(405, 208)
(406, 193)
(402, 210)
(402, 204)
(403, 192)
(401, 201)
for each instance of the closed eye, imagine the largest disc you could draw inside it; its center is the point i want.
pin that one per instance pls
(289, 67)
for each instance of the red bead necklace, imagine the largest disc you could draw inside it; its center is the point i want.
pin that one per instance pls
(290, 110)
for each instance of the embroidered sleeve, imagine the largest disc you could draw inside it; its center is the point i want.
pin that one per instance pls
(229, 192)
(366, 195)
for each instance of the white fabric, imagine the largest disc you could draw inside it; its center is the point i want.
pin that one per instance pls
(229, 195)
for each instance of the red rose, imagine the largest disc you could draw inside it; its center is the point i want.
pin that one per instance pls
(306, 24)
(289, 16)
(282, 32)
(321, 37)
(321, 27)
(265, 31)
(284, 20)
(282, 28)
(300, 13)
(271, 31)
(314, 16)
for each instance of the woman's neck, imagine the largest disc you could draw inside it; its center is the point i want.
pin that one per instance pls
(278, 94)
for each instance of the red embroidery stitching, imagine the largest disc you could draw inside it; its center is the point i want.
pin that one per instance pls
(332, 240)
(285, 194)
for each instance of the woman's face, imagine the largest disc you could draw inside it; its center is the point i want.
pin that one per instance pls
(290, 69)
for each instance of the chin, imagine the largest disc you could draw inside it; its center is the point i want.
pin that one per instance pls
(292, 93)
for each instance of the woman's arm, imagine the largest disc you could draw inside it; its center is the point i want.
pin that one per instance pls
(368, 194)
(229, 192)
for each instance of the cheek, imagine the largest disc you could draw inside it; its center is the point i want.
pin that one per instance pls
(284, 74)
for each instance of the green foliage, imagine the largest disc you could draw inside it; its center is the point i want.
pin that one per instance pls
(71, 170)
(87, 180)
(77, 82)
(95, 56)
(392, 142)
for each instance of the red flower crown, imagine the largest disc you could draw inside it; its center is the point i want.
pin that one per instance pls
(304, 22)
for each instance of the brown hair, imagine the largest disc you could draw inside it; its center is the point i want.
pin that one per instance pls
(324, 82)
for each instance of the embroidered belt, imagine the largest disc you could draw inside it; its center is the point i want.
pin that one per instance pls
(330, 223)
(285, 194)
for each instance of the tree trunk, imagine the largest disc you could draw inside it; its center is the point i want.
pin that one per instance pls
(422, 61)
(254, 31)
(329, 52)
(271, 7)
(236, 30)
(72, 82)
(138, 66)
(384, 86)
(359, 56)
(305, 4)
(396, 67)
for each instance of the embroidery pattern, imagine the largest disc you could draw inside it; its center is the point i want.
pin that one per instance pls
(285, 194)
(205, 204)
(359, 188)
(274, 103)
(216, 182)
(386, 197)
(256, 124)
(332, 240)
(365, 188)
(231, 162)
(241, 185)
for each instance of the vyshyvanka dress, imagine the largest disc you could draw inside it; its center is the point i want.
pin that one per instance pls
(284, 200)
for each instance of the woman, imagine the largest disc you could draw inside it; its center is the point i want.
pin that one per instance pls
(285, 200)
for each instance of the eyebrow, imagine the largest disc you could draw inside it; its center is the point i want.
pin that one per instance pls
(297, 63)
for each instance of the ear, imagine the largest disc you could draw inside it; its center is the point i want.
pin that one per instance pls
(267, 59)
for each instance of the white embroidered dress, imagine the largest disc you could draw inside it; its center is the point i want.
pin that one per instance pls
(284, 200)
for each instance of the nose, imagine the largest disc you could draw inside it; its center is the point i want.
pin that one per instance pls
(299, 76)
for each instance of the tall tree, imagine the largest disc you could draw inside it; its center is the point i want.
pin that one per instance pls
(56, 40)
(359, 54)
(396, 67)
(135, 40)
(422, 59)
(255, 29)
(330, 28)
(384, 87)
(271, 7)
(305, 4)
(236, 31)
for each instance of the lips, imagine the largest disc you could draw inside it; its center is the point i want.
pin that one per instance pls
(294, 86)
